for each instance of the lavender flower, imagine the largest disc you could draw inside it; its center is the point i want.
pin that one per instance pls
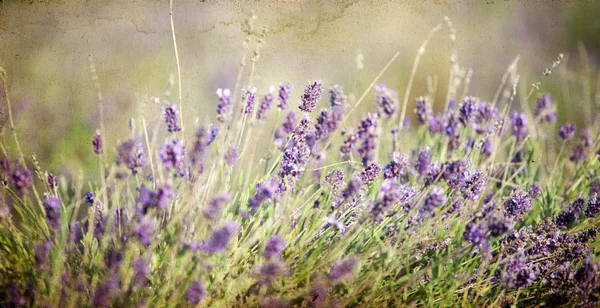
(145, 230)
(142, 272)
(368, 131)
(570, 214)
(456, 173)
(369, 174)
(41, 252)
(342, 268)
(337, 96)
(386, 101)
(519, 125)
(474, 185)
(204, 137)
(312, 93)
(269, 272)
(435, 199)
(586, 138)
(215, 206)
(195, 292)
(89, 198)
(224, 108)
(352, 188)
(328, 120)
(285, 89)
(423, 164)
(131, 154)
(518, 204)
(593, 207)
(468, 110)
(487, 147)
(578, 153)
(170, 113)
(289, 124)
(567, 131)
(52, 206)
(437, 125)
(158, 199)
(397, 168)
(220, 238)
(349, 143)
(390, 194)
(265, 105)
(545, 110)
(172, 153)
(296, 154)
(250, 97)
(21, 179)
(423, 110)
(97, 143)
(52, 181)
(264, 191)
(274, 247)
(231, 156)
(475, 233)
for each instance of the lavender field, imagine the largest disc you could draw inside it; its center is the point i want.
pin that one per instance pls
(425, 191)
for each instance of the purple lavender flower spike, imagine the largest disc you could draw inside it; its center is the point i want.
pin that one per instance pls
(423, 110)
(436, 198)
(145, 230)
(289, 124)
(349, 143)
(172, 153)
(567, 131)
(368, 131)
(386, 101)
(337, 96)
(518, 204)
(21, 179)
(220, 238)
(475, 233)
(89, 197)
(456, 173)
(52, 206)
(593, 207)
(397, 168)
(545, 110)
(369, 174)
(474, 185)
(274, 247)
(423, 161)
(343, 268)
(312, 94)
(468, 110)
(131, 154)
(487, 147)
(578, 153)
(142, 272)
(265, 105)
(519, 125)
(264, 191)
(215, 206)
(231, 156)
(437, 125)
(170, 113)
(224, 108)
(52, 181)
(328, 120)
(97, 143)
(195, 292)
(352, 188)
(250, 98)
(285, 90)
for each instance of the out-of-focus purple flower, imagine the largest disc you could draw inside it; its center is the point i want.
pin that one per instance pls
(342, 268)
(220, 238)
(21, 179)
(52, 206)
(285, 89)
(487, 147)
(535, 191)
(41, 252)
(296, 154)
(475, 233)
(368, 131)
(195, 292)
(484, 118)
(172, 154)
(578, 153)
(274, 247)
(545, 110)
(468, 110)
(289, 124)
(265, 105)
(106, 291)
(250, 98)
(89, 197)
(131, 154)
(337, 96)
(436, 124)
(398, 167)
(519, 125)
(335, 180)
(386, 101)
(142, 272)
(215, 206)
(170, 113)
(269, 272)
(423, 110)
(145, 230)
(328, 120)
(349, 143)
(593, 207)
(518, 204)
(204, 136)
(352, 187)
(369, 174)
(474, 185)
(435, 199)
(595, 187)
(390, 194)
(423, 163)
(158, 199)
(312, 94)
(570, 214)
(272, 302)
(498, 225)
(97, 143)
(567, 131)
(456, 173)
(586, 275)
(264, 191)
(518, 274)
(224, 108)
(52, 181)
(231, 156)
(586, 138)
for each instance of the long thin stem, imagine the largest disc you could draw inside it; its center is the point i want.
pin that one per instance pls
(178, 65)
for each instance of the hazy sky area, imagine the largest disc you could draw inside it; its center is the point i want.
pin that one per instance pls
(45, 49)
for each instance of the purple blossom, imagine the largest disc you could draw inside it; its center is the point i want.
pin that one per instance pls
(52, 181)
(570, 214)
(250, 98)
(468, 110)
(220, 238)
(195, 292)
(170, 113)
(21, 179)
(487, 147)
(215, 206)
(386, 101)
(398, 167)
(296, 154)
(274, 247)
(475, 233)
(474, 185)
(312, 94)
(224, 108)
(289, 124)
(437, 125)
(264, 191)
(89, 197)
(545, 110)
(342, 268)
(517, 204)
(484, 118)
(586, 138)
(97, 143)
(435, 199)
(390, 194)
(423, 164)
(337, 96)
(456, 173)
(535, 191)
(369, 174)
(518, 274)
(265, 105)
(131, 154)
(352, 187)
(328, 121)
(41, 254)
(593, 207)
(142, 272)
(368, 131)
(52, 206)
(158, 199)
(578, 153)
(231, 156)
(519, 125)
(285, 89)
(567, 131)
(269, 272)
(145, 230)
(349, 143)
(172, 154)
(204, 137)
(423, 110)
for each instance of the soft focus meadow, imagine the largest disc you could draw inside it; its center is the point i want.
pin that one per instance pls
(307, 194)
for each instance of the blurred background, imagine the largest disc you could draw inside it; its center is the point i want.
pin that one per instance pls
(45, 48)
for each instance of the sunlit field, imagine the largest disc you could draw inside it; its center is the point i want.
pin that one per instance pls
(435, 189)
